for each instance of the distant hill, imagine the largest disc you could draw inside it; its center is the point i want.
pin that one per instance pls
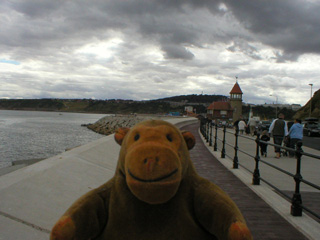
(194, 98)
(157, 106)
(304, 112)
(31, 104)
(117, 106)
(163, 105)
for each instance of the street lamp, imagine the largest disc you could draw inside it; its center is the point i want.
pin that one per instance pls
(276, 104)
(310, 84)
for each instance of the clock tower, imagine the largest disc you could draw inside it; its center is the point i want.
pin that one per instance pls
(236, 101)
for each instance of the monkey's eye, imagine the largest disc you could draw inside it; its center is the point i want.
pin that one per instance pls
(136, 137)
(169, 137)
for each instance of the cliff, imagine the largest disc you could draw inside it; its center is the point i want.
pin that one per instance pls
(304, 112)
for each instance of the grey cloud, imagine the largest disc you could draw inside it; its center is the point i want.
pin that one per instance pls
(289, 25)
(50, 25)
(173, 51)
(36, 8)
(45, 36)
(284, 56)
(246, 48)
(158, 79)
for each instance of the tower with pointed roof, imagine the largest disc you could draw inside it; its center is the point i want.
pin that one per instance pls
(236, 101)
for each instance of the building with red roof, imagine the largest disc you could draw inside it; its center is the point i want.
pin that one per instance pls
(227, 110)
(220, 110)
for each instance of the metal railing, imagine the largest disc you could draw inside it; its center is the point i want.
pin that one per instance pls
(206, 129)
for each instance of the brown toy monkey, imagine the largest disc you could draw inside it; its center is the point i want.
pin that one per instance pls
(154, 194)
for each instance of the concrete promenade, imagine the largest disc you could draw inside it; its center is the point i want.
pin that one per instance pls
(34, 197)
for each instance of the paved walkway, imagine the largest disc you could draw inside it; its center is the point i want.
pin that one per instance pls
(263, 221)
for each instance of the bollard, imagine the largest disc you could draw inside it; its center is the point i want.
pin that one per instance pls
(205, 130)
(296, 202)
(202, 129)
(235, 159)
(223, 151)
(207, 133)
(210, 134)
(256, 173)
(215, 146)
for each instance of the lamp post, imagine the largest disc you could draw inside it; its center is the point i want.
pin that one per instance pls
(310, 84)
(276, 104)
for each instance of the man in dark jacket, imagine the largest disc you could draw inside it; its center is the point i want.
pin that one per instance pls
(279, 130)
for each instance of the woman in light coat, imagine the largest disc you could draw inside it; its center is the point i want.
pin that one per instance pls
(242, 125)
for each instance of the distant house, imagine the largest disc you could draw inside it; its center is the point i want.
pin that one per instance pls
(220, 110)
(188, 108)
(295, 107)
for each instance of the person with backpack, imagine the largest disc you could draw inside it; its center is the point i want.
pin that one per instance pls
(279, 130)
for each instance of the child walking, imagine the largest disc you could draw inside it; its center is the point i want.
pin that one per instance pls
(263, 146)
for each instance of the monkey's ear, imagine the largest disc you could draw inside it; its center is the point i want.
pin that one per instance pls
(120, 134)
(189, 139)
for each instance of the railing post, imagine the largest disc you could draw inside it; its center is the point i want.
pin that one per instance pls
(296, 208)
(256, 173)
(223, 151)
(215, 146)
(210, 134)
(205, 129)
(207, 133)
(235, 159)
(201, 127)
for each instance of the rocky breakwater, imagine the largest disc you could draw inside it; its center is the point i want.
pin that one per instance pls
(109, 124)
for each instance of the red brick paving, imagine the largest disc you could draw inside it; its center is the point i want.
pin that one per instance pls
(264, 222)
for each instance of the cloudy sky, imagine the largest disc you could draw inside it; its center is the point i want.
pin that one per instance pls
(149, 49)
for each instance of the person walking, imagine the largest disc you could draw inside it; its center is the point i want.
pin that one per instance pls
(264, 146)
(242, 125)
(279, 130)
(252, 124)
(295, 134)
(236, 124)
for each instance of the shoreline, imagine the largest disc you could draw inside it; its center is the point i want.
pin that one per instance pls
(27, 162)
(105, 126)
(109, 124)
(15, 165)
(54, 111)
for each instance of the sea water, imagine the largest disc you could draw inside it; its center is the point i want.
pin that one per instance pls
(29, 135)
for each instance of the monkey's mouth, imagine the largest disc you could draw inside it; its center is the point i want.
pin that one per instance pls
(153, 180)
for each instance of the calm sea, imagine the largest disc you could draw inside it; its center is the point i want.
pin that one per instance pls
(28, 135)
